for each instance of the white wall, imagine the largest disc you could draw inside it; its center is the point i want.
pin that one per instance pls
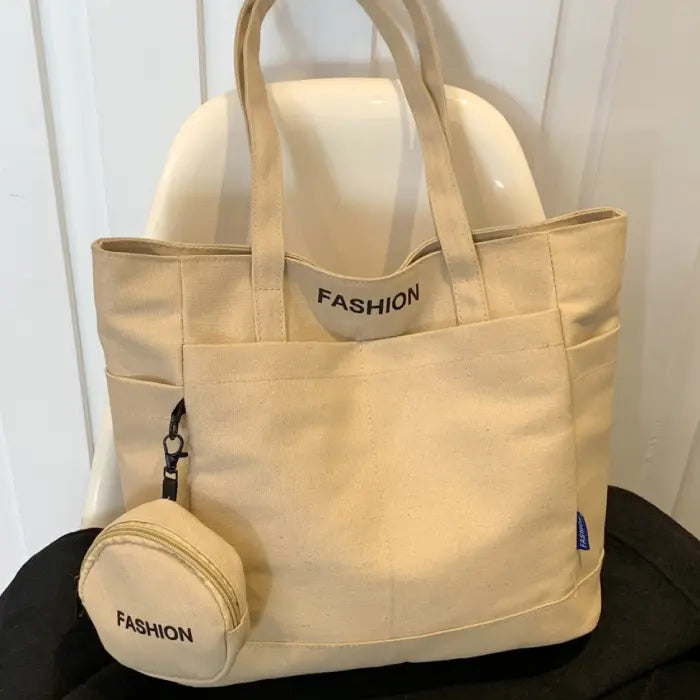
(44, 431)
(597, 90)
(648, 162)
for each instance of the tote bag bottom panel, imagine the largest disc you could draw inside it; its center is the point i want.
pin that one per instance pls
(574, 616)
(391, 488)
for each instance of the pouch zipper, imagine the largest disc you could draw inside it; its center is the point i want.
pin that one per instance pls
(186, 554)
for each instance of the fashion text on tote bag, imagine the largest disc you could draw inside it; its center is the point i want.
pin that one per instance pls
(411, 467)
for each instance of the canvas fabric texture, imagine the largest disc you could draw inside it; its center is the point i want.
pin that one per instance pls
(398, 461)
(645, 647)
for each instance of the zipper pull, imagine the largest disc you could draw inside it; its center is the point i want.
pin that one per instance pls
(170, 475)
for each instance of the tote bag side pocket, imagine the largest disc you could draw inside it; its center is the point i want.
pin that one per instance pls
(140, 409)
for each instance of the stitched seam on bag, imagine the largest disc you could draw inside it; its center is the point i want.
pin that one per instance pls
(562, 218)
(245, 380)
(453, 285)
(452, 191)
(577, 228)
(572, 396)
(474, 261)
(554, 282)
(590, 342)
(454, 630)
(182, 322)
(593, 371)
(393, 278)
(253, 208)
(256, 308)
(161, 418)
(373, 449)
(142, 380)
(237, 249)
(509, 239)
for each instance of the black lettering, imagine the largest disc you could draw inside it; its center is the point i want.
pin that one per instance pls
(339, 301)
(357, 306)
(136, 624)
(369, 306)
(375, 307)
(185, 634)
(399, 301)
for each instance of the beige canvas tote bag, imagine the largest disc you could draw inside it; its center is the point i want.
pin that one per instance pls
(411, 467)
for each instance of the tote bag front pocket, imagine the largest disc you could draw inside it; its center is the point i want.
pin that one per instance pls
(392, 488)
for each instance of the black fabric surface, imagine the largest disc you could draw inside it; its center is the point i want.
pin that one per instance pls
(646, 647)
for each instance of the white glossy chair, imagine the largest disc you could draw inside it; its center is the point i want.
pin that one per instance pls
(355, 199)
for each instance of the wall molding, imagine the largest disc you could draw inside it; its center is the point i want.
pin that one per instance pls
(574, 115)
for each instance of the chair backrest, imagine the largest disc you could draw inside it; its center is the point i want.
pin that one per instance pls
(355, 199)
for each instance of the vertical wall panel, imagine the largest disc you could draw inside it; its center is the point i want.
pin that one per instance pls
(649, 165)
(69, 66)
(502, 51)
(145, 58)
(301, 39)
(219, 18)
(41, 402)
(583, 69)
(672, 470)
(13, 550)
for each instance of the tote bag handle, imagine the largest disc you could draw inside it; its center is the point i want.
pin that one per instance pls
(267, 236)
(427, 52)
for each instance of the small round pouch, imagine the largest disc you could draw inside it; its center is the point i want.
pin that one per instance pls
(167, 595)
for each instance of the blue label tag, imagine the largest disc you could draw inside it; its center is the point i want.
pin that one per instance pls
(581, 533)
